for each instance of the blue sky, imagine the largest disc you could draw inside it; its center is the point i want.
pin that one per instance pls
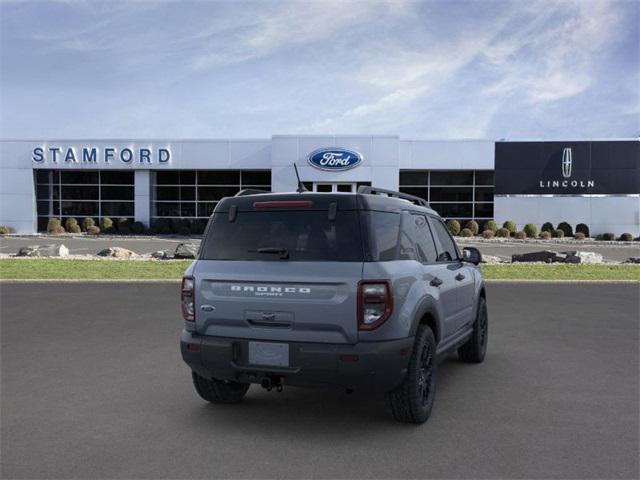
(422, 70)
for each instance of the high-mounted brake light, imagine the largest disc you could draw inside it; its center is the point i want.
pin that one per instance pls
(284, 204)
(187, 299)
(375, 303)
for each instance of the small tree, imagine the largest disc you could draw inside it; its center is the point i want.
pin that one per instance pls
(53, 224)
(583, 228)
(626, 237)
(453, 226)
(503, 233)
(509, 225)
(491, 225)
(547, 227)
(531, 230)
(566, 228)
(88, 222)
(607, 236)
(473, 226)
(106, 225)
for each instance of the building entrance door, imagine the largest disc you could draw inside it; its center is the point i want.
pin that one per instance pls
(334, 187)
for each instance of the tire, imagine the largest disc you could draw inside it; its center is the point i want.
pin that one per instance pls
(476, 347)
(218, 391)
(412, 401)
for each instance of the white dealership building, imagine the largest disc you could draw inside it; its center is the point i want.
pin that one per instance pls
(596, 182)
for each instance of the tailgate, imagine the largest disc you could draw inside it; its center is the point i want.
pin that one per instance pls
(281, 301)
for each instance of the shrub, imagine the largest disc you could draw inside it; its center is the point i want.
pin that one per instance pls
(608, 236)
(566, 228)
(70, 222)
(546, 235)
(583, 228)
(473, 226)
(74, 228)
(57, 230)
(160, 226)
(93, 230)
(52, 224)
(626, 237)
(88, 222)
(138, 228)
(521, 235)
(4, 230)
(197, 226)
(453, 226)
(509, 225)
(491, 225)
(557, 233)
(579, 236)
(466, 232)
(547, 227)
(503, 233)
(124, 226)
(531, 230)
(106, 225)
(488, 234)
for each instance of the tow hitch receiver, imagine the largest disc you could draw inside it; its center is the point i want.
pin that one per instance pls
(269, 383)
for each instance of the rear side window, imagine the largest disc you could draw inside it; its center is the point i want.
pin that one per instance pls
(424, 240)
(384, 228)
(447, 250)
(304, 235)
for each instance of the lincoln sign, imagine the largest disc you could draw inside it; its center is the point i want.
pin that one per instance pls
(567, 168)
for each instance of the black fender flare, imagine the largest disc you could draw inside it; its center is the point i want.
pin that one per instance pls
(427, 307)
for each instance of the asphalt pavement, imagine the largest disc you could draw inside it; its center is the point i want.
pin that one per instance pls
(93, 386)
(92, 245)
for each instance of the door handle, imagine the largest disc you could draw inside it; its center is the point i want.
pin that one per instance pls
(436, 282)
(460, 277)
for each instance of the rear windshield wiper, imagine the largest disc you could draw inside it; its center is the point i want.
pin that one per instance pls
(283, 252)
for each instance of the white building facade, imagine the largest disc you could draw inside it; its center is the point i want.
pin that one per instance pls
(145, 180)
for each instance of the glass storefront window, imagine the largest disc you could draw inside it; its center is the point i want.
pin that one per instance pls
(459, 194)
(89, 193)
(195, 193)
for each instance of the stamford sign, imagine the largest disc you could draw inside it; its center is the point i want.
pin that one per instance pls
(95, 155)
(334, 159)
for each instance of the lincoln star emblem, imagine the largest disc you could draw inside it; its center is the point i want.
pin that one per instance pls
(567, 160)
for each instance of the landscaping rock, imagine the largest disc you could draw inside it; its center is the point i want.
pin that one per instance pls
(491, 259)
(186, 250)
(546, 256)
(116, 252)
(53, 250)
(632, 260)
(160, 255)
(583, 257)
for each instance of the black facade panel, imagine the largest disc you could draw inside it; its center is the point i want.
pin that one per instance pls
(553, 168)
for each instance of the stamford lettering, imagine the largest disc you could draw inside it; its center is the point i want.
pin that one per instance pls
(108, 155)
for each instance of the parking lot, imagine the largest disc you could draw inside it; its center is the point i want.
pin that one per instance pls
(93, 386)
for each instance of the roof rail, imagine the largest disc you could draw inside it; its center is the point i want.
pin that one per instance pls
(249, 191)
(391, 193)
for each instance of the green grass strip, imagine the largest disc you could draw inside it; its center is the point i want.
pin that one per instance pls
(561, 272)
(61, 269)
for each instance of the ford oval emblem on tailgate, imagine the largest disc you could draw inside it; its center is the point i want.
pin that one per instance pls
(334, 159)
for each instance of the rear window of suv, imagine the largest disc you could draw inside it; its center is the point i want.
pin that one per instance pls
(298, 235)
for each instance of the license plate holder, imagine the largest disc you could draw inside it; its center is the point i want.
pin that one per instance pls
(269, 354)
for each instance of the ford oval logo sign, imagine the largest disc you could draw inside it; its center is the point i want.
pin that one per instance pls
(334, 159)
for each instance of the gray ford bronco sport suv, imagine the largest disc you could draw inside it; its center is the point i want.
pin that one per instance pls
(364, 291)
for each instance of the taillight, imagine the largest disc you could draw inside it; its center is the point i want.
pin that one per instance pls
(187, 299)
(375, 303)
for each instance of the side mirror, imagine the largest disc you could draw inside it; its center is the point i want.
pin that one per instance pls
(471, 255)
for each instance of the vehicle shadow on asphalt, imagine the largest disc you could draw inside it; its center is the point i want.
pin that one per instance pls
(298, 409)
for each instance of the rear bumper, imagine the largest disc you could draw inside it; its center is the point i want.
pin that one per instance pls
(365, 366)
